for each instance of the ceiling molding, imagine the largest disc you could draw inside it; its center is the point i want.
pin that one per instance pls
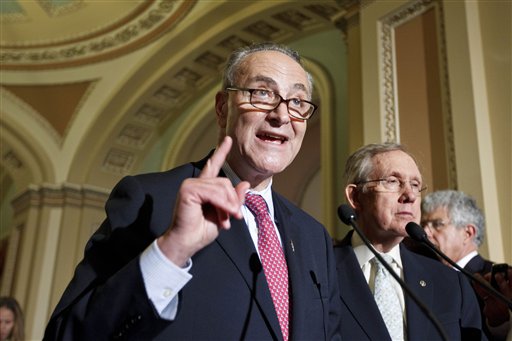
(139, 28)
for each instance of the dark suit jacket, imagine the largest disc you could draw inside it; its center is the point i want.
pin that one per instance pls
(478, 265)
(445, 292)
(227, 298)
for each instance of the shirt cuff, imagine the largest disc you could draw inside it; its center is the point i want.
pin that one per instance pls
(163, 280)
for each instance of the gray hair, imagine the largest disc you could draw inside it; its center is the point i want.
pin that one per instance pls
(236, 58)
(359, 165)
(461, 208)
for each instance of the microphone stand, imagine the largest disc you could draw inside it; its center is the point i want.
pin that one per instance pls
(350, 220)
(412, 230)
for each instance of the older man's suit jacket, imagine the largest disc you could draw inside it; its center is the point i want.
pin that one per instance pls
(227, 298)
(445, 292)
(479, 265)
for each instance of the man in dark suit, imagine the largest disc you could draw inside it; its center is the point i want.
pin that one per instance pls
(181, 257)
(456, 225)
(384, 188)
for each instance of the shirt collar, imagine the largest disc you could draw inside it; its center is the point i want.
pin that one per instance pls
(465, 260)
(266, 193)
(364, 255)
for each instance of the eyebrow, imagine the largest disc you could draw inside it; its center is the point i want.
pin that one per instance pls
(400, 176)
(271, 81)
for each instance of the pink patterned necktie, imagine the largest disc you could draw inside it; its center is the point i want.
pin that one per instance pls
(272, 259)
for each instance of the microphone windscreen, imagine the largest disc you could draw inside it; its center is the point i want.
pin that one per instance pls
(346, 213)
(416, 232)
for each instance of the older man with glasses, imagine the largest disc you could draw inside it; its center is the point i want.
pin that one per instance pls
(456, 225)
(384, 187)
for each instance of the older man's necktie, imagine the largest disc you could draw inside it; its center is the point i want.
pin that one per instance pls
(272, 259)
(387, 299)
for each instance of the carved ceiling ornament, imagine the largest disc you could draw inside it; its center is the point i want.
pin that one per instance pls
(142, 29)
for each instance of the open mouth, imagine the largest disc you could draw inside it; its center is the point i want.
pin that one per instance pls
(272, 138)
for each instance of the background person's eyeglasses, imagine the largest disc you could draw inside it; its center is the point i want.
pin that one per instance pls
(436, 224)
(269, 100)
(394, 185)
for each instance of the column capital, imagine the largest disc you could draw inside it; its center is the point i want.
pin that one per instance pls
(47, 194)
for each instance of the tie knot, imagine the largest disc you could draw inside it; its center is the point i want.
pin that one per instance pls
(378, 264)
(256, 204)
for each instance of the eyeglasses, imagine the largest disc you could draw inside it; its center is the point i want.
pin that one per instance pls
(436, 224)
(394, 185)
(269, 100)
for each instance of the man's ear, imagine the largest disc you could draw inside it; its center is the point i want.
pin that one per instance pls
(470, 231)
(352, 195)
(221, 108)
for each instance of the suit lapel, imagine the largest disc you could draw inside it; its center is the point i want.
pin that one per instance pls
(239, 247)
(419, 281)
(355, 292)
(288, 227)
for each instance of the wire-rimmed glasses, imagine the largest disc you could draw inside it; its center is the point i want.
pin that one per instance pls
(394, 185)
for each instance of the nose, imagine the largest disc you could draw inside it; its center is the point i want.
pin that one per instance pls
(408, 194)
(279, 115)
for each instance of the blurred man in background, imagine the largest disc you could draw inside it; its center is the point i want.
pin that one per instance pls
(456, 225)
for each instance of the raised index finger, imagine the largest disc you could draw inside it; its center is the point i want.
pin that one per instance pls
(215, 162)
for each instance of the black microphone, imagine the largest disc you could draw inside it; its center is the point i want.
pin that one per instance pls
(346, 214)
(316, 282)
(348, 217)
(417, 233)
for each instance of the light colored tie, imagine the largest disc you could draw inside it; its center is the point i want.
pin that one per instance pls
(387, 299)
(272, 259)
